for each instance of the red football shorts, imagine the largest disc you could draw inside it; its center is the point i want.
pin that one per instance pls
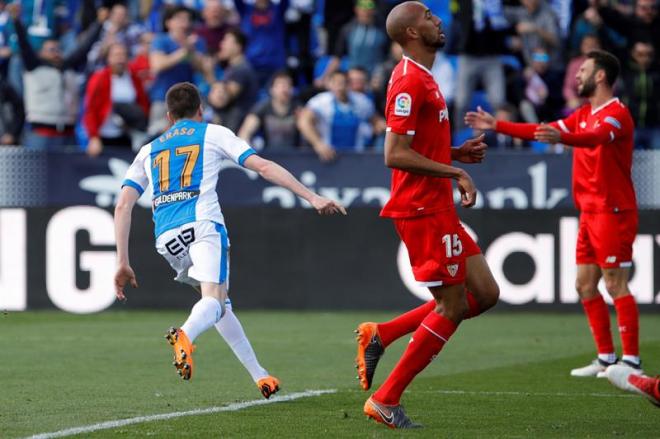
(438, 247)
(606, 239)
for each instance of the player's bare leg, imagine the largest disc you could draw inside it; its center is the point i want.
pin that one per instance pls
(586, 284)
(425, 344)
(481, 283)
(616, 284)
(483, 293)
(204, 314)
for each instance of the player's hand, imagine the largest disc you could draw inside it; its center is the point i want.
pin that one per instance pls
(325, 206)
(547, 134)
(467, 189)
(326, 152)
(480, 120)
(472, 151)
(124, 275)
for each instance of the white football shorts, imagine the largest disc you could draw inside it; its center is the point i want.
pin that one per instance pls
(197, 251)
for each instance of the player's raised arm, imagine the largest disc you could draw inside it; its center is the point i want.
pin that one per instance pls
(124, 275)
(276, 174)
(400, 155)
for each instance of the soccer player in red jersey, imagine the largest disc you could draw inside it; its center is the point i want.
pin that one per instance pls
(602, 133)
(443, 256)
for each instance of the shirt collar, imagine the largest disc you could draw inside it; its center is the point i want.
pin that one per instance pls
(417, 64)
(597, 109)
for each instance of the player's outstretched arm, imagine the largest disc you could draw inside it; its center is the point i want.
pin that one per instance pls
(587, 139)
(399, 155)
(484, 121)
(276, 174)
(124, 275)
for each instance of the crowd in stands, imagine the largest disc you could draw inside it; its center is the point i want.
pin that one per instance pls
(294, 75)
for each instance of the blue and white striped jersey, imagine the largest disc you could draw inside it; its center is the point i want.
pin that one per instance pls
(183, 166)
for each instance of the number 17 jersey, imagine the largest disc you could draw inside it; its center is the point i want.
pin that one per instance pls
(183, 165)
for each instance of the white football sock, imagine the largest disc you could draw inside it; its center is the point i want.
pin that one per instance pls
(608, 358)
(203, 315)
(231, 330)
(632, 359)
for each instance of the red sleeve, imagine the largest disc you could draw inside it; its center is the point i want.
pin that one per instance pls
(612, 127)
(568, 124)
(405, 99)
(523, 131)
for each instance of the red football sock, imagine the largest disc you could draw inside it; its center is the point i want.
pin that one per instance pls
(656, 391)
(404, 324)
(424, 345)
(408, 322)
(627, 317)
(599, 321)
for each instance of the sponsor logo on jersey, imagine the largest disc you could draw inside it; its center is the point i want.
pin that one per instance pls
(444, 114)
(583, 125)
(174, 197)
(452, 269)
(402, 104)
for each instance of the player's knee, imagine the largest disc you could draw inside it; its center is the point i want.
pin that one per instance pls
(615, 287)
(585, 288)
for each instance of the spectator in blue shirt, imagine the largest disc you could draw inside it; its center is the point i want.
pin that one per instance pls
(175, 56)
(338, 119)
(263, 22)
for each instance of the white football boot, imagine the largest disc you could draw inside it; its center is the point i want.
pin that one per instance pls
(626, 378)
(636, 368)
(591, 370)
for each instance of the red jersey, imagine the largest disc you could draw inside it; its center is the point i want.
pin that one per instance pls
(602, 179)
(415, 107)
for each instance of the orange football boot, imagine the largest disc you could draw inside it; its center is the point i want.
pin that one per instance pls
(183, 350)
(268, 386)
(369, 350)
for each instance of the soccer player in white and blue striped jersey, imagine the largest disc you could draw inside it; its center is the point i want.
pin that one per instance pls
(182, 165)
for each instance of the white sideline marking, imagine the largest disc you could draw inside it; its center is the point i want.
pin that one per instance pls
(165, 416)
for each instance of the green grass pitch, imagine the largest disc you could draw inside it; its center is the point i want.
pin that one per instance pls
(502, 375)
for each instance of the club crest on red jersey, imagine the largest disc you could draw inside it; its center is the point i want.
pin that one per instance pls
(402, 104)
(452, 269)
